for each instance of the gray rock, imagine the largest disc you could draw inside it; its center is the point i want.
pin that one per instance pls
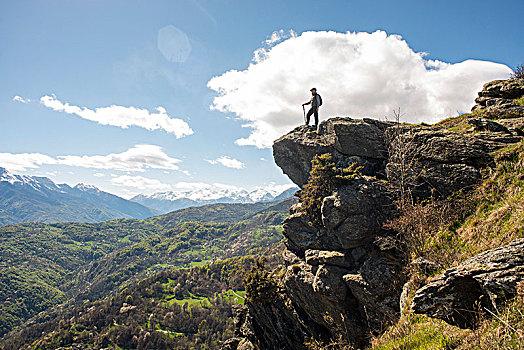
(425, 266)
(327, 257)
(355, 213)
(321, 292)
(294, 151)
(375, 286)
(346, 139)
(497, 98)
(480, 283)
(481, 124)
(300, 235)
(442, 161)
(362, 138)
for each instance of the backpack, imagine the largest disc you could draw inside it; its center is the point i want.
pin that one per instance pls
(319, 100)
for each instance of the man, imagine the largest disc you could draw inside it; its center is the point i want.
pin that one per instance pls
(315, 102)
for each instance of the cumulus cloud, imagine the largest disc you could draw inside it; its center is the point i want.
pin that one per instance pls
(357, 74)
(141, 183)
(227, 162)
(21, 99)
(280, 35)
(123, 117)
(138, 158)
(24, 161)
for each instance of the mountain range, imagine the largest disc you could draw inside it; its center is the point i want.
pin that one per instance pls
(32, 198)
(165, 202)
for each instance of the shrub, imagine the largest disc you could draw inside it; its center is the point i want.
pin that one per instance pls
(260, 284)
(324, 178)
(518, 72)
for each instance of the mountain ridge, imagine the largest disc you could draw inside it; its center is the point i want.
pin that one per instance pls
(169, 201)
(26, 198)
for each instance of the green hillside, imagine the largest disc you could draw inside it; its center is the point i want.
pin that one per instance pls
(176, 309)
(42, 265)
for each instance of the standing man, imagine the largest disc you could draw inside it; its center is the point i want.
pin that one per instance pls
(315, 102)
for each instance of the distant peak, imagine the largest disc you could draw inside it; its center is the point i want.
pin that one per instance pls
(85, 187)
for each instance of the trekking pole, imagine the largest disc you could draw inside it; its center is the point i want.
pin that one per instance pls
(304, 110)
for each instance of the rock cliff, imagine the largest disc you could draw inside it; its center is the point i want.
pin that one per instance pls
(345, 277)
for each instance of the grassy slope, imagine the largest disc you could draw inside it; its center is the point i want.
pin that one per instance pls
(495, 218)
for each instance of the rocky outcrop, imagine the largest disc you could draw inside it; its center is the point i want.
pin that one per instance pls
(498, 99)
(441, 161)
(476, 286)
(500, 95)
(350, 141)
(346, 277)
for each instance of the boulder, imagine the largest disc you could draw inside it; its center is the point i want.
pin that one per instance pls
(481, 124)
(360, 138)
(477, 285)
(294, 151)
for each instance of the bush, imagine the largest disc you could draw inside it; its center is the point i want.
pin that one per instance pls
(260, 284)
(518, 72)
(324, 178)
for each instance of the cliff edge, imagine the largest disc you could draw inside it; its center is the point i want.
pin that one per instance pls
(344, 278)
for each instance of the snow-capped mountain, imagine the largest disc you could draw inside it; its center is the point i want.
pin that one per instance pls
(165, 202)
(33, 198)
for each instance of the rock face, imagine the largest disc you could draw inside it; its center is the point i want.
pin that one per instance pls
(499, 99)
(360, 141)
(480, 283)
(345, 277)
(500, 95)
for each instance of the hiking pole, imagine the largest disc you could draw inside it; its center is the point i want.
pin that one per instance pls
(304, 110)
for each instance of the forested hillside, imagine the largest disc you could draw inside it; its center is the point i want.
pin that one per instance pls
(176, 309)
(43, 265)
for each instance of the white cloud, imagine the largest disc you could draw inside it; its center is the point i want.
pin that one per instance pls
(123, 117)
(140, 183)
(227, 162)
(357, 74)
(99, 175)
(21, 99)
(138, 158)
(24, 161)
(280, 35)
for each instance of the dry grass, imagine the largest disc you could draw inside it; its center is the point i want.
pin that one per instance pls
(452, 230)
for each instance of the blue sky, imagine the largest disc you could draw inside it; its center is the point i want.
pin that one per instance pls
(97, 54)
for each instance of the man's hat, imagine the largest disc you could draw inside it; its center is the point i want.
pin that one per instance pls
(313, 89)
